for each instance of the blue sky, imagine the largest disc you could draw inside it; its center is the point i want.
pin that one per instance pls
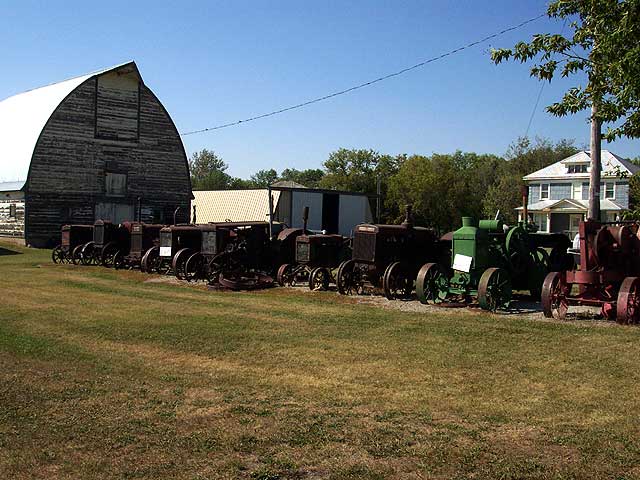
(215, 62)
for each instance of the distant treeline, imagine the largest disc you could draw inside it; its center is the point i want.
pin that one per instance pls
(441, 187)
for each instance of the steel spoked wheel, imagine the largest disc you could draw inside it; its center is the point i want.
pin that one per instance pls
(319, 279)
(628, 304)
(432, 284)
(76, 255)
(107, 253)
(179, 261)
(554, 296)
(57, 255)
(396, 282)
(194, 267)
(88, 254)
(345, 278)
(494, 289)
(285, 276)
(214, 269)
(149, 260)
(117, 260)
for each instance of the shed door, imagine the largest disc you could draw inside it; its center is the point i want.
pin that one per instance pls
(115, 212)
(331, 212)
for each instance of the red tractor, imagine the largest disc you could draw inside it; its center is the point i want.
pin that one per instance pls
(607, 276)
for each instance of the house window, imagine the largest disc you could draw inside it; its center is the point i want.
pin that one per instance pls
(610, 190)
(116, 184)
(540, 219)
(12, 210)
(577, 168)
(544, 191)
(577, 191)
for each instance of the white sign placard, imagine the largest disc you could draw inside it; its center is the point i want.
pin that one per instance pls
(165, 251)
(462, 263)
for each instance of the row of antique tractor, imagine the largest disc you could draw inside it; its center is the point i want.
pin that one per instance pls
(478, 264)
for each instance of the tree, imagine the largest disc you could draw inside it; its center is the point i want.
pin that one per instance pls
(358, 170)
(208, 171)
(522, 158)
(264, 178)
(309, 178)
(443, 188)
(605, 45)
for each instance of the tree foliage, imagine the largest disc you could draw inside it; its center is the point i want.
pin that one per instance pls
(263, 178)
(443, 188)
(604, 45)
(208, 171)
(309, 178)
(522, 158)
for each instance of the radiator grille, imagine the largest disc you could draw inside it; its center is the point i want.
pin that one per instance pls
(302, 252)
(364, 247)
(98, 234)
(136, 242)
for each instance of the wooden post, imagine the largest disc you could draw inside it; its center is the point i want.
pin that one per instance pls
(593, 212)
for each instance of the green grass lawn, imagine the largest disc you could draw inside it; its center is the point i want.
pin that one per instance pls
(106, 375)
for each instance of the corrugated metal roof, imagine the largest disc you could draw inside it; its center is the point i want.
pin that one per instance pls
(233, 205)
(22, 118)
(611, 163)
(11, 186)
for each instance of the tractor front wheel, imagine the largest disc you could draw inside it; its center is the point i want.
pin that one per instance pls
(554, 296)
(432, 284)
(628, 304)
(494, 289)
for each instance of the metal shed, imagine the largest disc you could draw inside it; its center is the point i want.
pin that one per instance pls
(330, 210)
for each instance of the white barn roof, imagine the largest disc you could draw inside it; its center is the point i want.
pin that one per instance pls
(22, 118)
(233, 205)
(611, 165)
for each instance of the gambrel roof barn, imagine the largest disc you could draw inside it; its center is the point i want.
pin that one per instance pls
(96, 146)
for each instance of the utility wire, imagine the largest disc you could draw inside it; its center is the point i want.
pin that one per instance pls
(371, 82)
(535, 107)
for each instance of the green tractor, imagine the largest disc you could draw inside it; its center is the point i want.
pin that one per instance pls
(489, 261)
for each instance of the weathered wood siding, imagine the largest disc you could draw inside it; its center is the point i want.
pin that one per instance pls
(67, 179)
(12, 226)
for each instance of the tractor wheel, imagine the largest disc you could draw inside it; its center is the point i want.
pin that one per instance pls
(57, 255)
(628, 304)
(107, 253)
(88, 254)
(494, 289)
(319, 279)
(345, 278)
(215, 268)
(286, 276)
(432, 284)
(117, 260)
(179, 262)
(149, 260)
(76, 255)
(396, 282)
(554, 296)
(194, 267)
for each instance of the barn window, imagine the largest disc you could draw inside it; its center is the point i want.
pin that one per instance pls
(116, 184)
(12, 210)
(117, 107)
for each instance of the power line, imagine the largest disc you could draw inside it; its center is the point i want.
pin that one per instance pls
(535, 106)
(371, 82)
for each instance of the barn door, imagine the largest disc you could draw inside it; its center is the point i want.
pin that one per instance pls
(115, 212)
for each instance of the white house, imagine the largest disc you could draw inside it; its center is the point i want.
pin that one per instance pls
(559, 193)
